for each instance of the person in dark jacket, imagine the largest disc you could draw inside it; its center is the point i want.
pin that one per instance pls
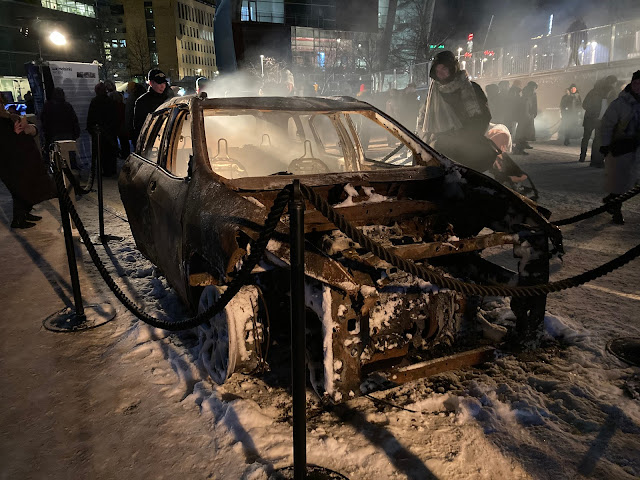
(102, 124)
(29, 102)
(594, 105)
(513, 105)
(570, 106)
(21, 168)
(155, 96)
(528, 111)
(493, 99)
(135, 91)
(620, 130)
(456, 115)
(123, 136)
(504, 105)
(59, 119)
(576, 37)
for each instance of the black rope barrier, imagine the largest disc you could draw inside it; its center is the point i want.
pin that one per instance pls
(426, 272)
(257, 250)
(429, 273)
(597, 211)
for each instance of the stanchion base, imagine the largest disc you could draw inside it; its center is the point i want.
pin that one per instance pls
(66, 320)
(102, 239)
(314, 472)
(626, 349)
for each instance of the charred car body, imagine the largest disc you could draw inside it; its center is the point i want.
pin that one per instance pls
(206, 172)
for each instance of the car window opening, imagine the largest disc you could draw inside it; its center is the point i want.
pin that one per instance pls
(248, 143)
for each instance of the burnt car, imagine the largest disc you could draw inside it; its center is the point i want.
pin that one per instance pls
(205, 174)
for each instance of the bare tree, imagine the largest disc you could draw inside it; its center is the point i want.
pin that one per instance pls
(413, 32)
(138, 49)
(367, 49)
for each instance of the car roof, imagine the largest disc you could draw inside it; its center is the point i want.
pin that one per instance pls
(281, 103)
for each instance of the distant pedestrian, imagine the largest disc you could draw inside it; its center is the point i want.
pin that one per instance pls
(493, 100)
(102, 124)
(123, 136)
(576, 37)
(513, 106)
(110, 86)
(59, 119)
(528, 111)
(60, 122)
(620, 130)
(392, 106)
(155, 96)
(29, 103)
(595, 103)
(456, 115)
(135, 90)
(570, 107)
(501, 116)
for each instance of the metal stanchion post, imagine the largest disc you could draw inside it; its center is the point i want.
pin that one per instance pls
(68, 319)
(298, 321)
(102, 237)
(298, 350)
(71, 253)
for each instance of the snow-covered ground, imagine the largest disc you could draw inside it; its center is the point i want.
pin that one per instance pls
(564, 411)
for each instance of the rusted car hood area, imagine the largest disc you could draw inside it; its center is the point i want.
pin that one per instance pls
(417, 213)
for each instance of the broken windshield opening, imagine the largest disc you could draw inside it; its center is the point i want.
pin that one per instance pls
(252, 143)
(380, 148)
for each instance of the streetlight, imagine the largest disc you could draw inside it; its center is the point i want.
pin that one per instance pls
(262, 65)
(57, 38)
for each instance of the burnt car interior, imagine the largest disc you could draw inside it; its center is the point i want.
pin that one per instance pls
(252, 143)
(364, 315)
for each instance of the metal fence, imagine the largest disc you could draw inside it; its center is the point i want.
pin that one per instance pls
(397, 78)
(598, 45)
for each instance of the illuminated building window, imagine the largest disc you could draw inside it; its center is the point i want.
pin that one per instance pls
(70, 6)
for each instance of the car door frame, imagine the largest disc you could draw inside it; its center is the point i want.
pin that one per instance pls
(167, 194)
(134, 181)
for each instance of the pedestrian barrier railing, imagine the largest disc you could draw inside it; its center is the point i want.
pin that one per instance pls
(598, 45)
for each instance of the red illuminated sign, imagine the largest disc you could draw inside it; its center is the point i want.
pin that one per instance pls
(470, 37)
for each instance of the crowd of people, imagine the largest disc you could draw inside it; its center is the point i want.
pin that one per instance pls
(113, 124)
(455, 108)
